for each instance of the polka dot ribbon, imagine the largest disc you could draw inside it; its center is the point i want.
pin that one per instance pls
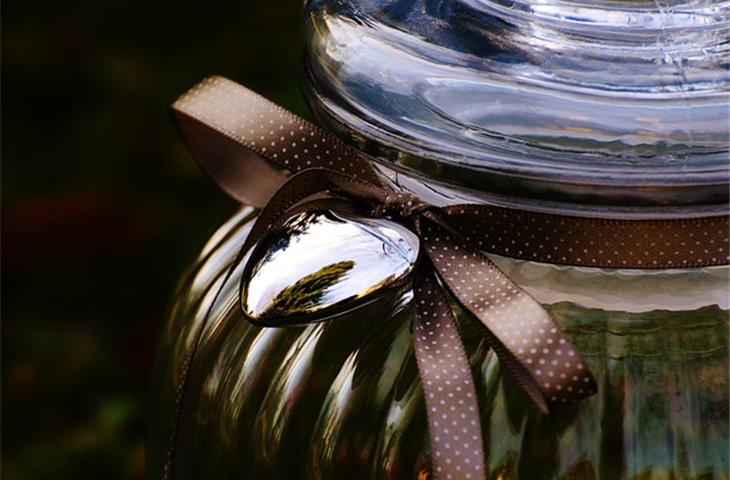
(267, 157)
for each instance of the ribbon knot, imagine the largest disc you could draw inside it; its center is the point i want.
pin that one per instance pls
(401, 206)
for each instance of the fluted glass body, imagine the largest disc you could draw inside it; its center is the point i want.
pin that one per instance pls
(342, 399)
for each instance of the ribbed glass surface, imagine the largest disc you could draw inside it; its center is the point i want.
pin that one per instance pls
(343, 400)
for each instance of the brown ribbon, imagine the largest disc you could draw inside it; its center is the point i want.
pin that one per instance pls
(240, 138)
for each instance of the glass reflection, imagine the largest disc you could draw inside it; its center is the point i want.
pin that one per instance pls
(612, 94)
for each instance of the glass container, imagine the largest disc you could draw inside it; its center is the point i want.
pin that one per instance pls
(606, 108)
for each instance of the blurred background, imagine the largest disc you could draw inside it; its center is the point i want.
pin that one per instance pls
(103, 209)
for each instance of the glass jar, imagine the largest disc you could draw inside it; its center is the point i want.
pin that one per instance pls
(608, 109)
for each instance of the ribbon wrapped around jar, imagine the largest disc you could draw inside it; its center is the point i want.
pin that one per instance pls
(309, 184)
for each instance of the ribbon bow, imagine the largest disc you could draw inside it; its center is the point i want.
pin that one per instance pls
(239, 136)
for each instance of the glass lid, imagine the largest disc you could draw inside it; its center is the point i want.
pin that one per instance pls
(601, 101)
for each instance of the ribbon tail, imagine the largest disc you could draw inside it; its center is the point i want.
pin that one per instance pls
(448, 386)
(527, 340)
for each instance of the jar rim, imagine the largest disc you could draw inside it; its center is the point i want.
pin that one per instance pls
(646, 193)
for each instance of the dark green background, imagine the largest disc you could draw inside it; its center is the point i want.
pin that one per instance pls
(102, 208)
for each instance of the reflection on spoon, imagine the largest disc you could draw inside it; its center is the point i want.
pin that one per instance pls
(319, 264)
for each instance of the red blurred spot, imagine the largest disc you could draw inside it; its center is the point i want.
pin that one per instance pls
(80, 226)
